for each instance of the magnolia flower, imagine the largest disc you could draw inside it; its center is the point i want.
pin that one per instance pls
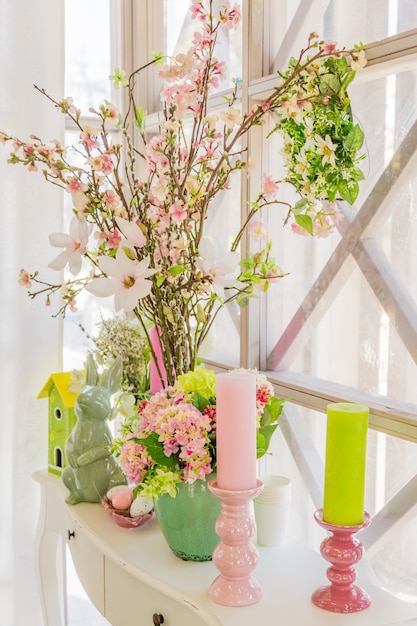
(126, 280)
(75, 245)
(218, 269)
(131, 231)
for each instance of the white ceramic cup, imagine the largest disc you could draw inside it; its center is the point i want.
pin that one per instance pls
(272, 508)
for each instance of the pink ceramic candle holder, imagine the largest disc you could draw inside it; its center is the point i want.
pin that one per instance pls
(235, 556)
(343, 551)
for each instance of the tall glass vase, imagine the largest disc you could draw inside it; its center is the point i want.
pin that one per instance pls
(188, 521)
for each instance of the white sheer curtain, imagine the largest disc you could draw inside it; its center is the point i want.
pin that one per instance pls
(31, 51)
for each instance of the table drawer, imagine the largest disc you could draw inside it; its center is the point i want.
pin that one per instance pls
(88, 562)
(130, 600)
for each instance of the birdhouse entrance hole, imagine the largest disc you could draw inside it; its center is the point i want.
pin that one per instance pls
(59, 458)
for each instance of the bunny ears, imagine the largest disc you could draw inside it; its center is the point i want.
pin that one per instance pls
(111, 377)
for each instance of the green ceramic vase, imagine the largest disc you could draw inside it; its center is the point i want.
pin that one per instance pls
(188, 521)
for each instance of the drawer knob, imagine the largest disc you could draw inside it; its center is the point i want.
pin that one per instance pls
(71, 534)
(158, 619)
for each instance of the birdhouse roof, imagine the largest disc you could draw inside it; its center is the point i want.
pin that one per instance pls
(62, 381)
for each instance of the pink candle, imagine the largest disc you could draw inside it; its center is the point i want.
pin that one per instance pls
(155, 379)
(236, 430)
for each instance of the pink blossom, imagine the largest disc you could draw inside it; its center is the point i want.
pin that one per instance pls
(72, 304)
(359, 60)
(110, 113)
(231, 117)
(88, 138)
(67, 106)
(74, 185)
(330, 48)
(230, 17)
(178, 211)
(259, 230)
(111, 199)
(24, 279)
(217, 73)
(269, 186)
(197, 10)
(101, 163)
(113, 239)
(298, 230)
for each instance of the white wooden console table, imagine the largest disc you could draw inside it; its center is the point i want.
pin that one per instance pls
(132, 577)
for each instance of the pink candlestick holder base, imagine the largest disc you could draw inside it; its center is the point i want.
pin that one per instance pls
(343, 551)
(235, 556)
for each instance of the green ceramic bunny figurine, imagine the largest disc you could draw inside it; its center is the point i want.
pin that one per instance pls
(92, 470)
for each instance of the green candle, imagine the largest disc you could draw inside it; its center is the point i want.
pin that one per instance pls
(344, 477)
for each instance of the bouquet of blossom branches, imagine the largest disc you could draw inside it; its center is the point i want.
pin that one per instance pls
(144, 238)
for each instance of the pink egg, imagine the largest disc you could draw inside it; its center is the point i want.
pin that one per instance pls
(122, 500)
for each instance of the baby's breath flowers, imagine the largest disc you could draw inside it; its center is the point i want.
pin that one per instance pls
(120, 336)
(144, 239)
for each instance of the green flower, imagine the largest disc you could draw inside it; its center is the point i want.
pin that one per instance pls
(119, 78)
(161, 482)
(200, 380)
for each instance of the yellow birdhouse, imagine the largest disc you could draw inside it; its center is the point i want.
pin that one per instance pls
(61, 417)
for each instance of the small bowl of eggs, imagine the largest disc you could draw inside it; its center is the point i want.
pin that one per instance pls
(124, 509)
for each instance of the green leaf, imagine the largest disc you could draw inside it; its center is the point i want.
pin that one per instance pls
(248, 263)
(176, 270)
(342, 65)
(129, 253)
(300, 204)
(200, 402)
(348, 79)
(349, 192)
(263, 439)
(305, 222)
(160, 280)
(329, 84)
(272, 411)
(140, 118)
(357, 174)
(168, 314)
(354, 140)
(243, 300)
(155, 450)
